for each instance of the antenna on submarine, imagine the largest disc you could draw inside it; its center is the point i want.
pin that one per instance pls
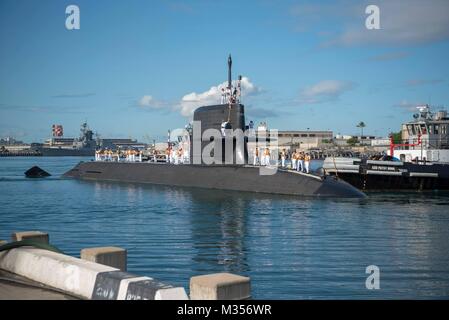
(229, 72)
(229, 89)
(239, 86)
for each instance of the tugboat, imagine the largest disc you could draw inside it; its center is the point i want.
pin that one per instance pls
(229, 169)
(421, 163)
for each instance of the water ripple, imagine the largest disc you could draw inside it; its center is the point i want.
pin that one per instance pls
(291, 247)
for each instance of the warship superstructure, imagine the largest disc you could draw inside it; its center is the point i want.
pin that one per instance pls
(58, 145)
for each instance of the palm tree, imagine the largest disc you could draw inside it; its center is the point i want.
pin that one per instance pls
(361, 125)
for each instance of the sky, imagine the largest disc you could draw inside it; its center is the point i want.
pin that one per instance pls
(135, 69)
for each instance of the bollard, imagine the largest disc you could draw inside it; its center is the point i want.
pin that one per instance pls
(220, 286)
(31, 235)
(110, 256)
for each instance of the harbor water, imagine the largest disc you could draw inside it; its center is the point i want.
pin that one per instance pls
(292, 248)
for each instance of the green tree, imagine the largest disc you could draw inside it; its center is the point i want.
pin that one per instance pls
(397, 137)
(352, 141)
(361, 125)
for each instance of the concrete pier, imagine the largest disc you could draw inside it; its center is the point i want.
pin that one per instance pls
(99, 275)
(110, 256)
(31, 235)
(220, 286)
(14, 287)
(81, 278)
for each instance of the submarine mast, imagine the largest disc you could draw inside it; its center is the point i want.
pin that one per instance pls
(229, 72)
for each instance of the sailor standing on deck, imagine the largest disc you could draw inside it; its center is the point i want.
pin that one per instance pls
(307, 162)
(180, 159)
(294, 160)
(167, 154)
(266, 157)
(224, 126)
(283, 154)
(223, 96)
(185, 156)
(256, 156)
(301, 162)
(175, 156)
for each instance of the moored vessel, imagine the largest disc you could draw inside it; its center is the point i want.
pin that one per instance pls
(218, 159)
(419, 162)
(58, 145)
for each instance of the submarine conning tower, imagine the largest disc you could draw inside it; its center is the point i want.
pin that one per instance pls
(227, 142)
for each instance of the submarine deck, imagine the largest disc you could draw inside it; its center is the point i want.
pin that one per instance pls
(227, 177)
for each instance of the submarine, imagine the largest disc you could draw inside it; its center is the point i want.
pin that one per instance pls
(218, 160)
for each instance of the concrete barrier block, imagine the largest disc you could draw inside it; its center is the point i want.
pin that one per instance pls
(124, 284)
(53, 269)
(31, 235)
(220, 286)
(145, 289)
(171, 294)
(85, 279)
(109, 256)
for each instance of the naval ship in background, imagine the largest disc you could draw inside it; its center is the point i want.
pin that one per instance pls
(420, 162)
(58, 145)
(229, 171)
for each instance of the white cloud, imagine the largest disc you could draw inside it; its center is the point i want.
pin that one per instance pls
(324, 91)
(148, 101)
(193, 100)
(402, 22)
(189, 102)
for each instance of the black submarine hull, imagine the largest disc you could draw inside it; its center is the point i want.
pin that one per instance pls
(225, 177)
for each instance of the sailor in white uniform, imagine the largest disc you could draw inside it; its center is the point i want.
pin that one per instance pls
(224, 127)
(256, 156)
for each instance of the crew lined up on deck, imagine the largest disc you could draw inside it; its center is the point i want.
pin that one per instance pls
(263, 158)
(300, 161)
(178, 156)
(118, 155)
